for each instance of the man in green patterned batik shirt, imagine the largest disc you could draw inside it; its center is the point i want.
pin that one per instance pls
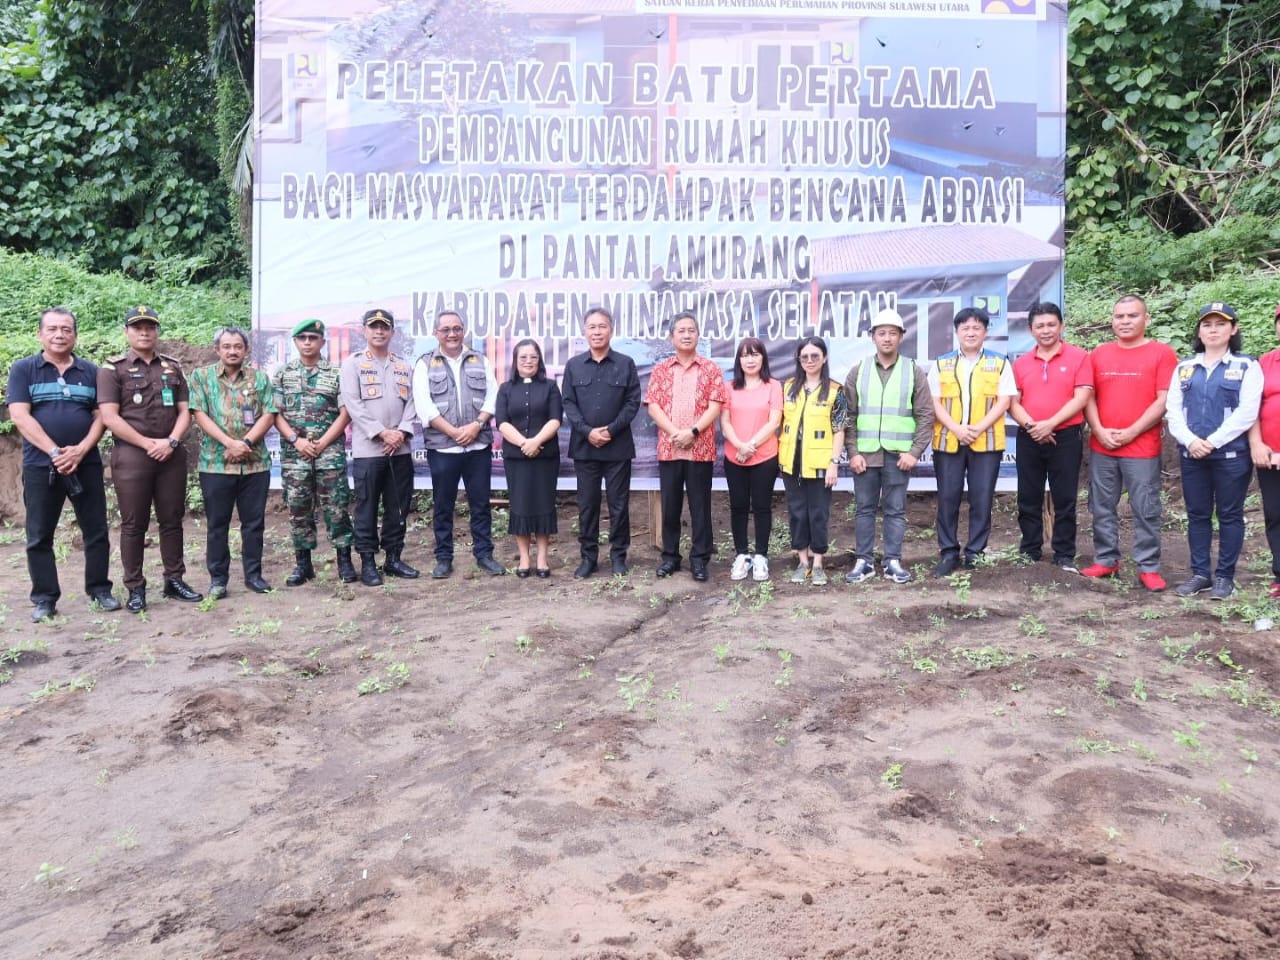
(313, 459)
(232, 405)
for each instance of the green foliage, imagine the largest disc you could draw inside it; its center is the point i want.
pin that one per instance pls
(107, 150)
(1173, 112)
(30, 283)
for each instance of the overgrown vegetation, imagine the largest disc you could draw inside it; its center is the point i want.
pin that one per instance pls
(28, 283)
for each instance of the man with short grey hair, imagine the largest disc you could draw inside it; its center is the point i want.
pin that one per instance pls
(234, 408)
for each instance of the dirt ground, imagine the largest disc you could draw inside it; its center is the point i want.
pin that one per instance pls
(1016, 763)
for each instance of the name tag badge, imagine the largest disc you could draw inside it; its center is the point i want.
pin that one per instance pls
(166, 396)
(1235, 374)
(246, 415)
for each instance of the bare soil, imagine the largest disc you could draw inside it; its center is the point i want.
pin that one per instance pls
(1018, 763)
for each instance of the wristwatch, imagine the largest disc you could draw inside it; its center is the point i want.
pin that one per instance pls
(293, 439)
(694, 430)
(174, 443)
(55, 452)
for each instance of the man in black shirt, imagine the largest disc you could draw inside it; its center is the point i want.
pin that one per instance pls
(601, 392)
(53, 400)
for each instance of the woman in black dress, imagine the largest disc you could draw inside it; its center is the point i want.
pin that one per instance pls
(528, 413)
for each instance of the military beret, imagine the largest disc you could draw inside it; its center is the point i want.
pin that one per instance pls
(379, 316)
(311, 325)
(140, 315)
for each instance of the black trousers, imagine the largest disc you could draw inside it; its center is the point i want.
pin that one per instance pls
(247, 495)
(678, 479)
(1059, 463)
(385, 482)
(474, 470)
(809, 512)
(980, 469)
(1269, 487)
(616, 475)
(751, 494)
(44, 501)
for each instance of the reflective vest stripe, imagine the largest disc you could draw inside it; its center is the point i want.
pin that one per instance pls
(882, 427)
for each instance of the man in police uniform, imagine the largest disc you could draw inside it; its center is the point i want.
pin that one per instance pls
(456, 393)
(143, 398)
(377, 391)
(52, 399)
(233, 408)
(313, 459)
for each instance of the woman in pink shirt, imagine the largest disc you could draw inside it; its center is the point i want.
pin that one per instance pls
(749, 423)
(1264, 446)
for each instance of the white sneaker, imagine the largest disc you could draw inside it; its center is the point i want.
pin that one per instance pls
(759, 567)
(895, 571)
(862, 570)
(741, 567)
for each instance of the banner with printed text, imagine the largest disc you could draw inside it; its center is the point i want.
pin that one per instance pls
(780, 168)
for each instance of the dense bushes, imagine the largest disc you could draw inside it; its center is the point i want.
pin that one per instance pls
(29, 283)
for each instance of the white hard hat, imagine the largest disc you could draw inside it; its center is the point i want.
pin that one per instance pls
(888, 318)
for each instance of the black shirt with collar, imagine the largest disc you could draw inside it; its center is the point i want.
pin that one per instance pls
(601, 393)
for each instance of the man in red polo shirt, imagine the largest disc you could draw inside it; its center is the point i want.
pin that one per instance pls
(1131, 378)
(1054, 383)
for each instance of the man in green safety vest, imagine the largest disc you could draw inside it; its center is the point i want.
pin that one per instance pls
(890, 424)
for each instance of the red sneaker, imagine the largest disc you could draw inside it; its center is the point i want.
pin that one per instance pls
(1152, 581)
(1100, 570)
(1273, 591)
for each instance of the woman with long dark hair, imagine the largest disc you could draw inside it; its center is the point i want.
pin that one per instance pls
(529, 412)
(1213, 401)
(813, 418)
(749, 421)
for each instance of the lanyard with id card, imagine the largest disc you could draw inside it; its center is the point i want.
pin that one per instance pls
(247, 415)
(166, 393)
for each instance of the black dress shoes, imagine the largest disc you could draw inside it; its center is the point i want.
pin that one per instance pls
(667, 567)
(585, 569)
(217, 591)
(524, 573)
(177, 589)
(619, 568)
(106, 602)
(257, 584)
(491, 566)
(137, 601)
(395, 567)
(43, 611)
(699, 571)
(442, 570)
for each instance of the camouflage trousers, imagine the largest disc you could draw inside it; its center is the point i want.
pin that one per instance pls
(307, 490)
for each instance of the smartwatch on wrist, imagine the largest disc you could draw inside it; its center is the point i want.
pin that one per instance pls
(694, 430)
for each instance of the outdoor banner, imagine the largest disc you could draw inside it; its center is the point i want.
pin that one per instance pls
(780, 168)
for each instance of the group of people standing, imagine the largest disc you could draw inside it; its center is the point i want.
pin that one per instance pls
(1222, 407)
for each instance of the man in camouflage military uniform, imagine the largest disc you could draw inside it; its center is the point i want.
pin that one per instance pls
(312, 421)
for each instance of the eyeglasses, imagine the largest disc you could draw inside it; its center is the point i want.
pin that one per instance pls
(448, 331)
(66, 390)
(308, 337)
(811, 358)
